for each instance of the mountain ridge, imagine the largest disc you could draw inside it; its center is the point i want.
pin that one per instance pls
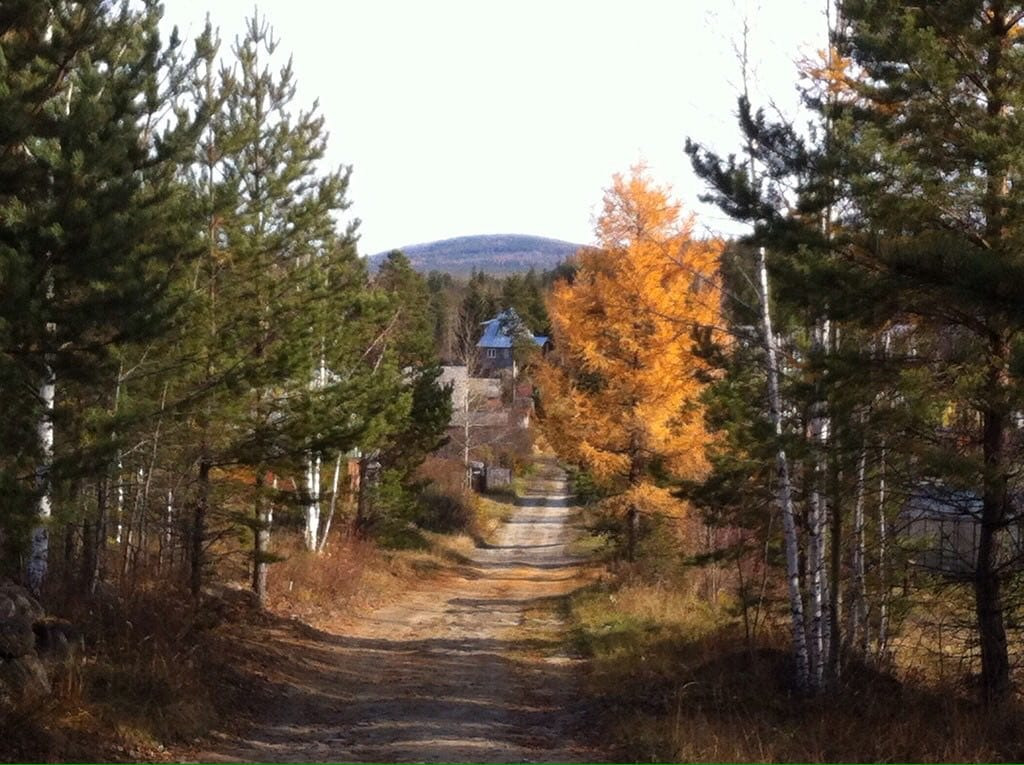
(490, 253)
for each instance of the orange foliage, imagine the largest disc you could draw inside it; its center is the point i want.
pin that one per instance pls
(621, 391)
(831, 72)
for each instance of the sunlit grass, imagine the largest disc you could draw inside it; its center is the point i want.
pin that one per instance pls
(674, 681)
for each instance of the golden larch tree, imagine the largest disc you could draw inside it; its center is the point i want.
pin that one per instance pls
(620, 395)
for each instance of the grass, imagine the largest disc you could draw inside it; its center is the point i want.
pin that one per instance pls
(143, 681)
(158, 672)
(673, 680)
(492, 511)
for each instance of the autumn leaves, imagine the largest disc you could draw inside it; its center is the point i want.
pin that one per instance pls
(621, 392)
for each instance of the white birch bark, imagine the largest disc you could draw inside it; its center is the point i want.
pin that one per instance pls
(39, 555)
(166, 550)
(119, 502)
(819, 436)
(466, 426)
(334, 503)
(784, 490)
(312, 501)
(39, 552)
(119, 485)
(312, 534)
(39, 545)
(883, 532)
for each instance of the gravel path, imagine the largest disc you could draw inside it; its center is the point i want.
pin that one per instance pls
(469, 668)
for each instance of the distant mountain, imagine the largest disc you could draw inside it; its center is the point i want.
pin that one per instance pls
(493, 254)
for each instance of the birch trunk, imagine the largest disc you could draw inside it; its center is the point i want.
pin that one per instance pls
(313, 470)
(334, 503)
(166, 551)
(312, 501)
(881, 643)
(784, 490)
(119, 504)
(816, 585)
(468, 471)
(39, 554)
(819, 436)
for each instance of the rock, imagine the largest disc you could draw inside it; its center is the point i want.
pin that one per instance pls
(57, 641)
(24, 604)
(23, 680)
(16, 638)
(34, 648)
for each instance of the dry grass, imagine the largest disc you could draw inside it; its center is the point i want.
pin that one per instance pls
(142, 682)
(349, 575)
(159, 673)
(674, 681)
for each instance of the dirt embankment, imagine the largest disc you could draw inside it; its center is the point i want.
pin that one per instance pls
(467, 667)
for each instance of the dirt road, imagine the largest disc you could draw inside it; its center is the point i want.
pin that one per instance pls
(467, 668)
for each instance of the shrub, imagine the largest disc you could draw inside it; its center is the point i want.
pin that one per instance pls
(444, 504)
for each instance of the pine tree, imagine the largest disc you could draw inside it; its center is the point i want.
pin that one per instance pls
(92, 218)
(916, 264)
(271, 297)
(929, 151)
(422, 428)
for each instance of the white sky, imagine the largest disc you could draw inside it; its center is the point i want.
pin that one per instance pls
(481, 117)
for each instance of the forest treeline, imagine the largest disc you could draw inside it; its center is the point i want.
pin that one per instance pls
(836, 397)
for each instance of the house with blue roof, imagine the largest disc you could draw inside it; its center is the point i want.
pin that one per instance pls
(497, 343)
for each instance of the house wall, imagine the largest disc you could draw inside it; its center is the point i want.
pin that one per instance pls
(493, 359)
(458, 377)
(949, 545)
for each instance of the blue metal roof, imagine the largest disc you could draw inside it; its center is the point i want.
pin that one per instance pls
(496, 331)
(495, 334)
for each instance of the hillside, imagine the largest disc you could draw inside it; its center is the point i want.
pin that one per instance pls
(493, 254)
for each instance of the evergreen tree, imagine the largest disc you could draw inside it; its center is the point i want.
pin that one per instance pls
(420, 430)
(92, 228)
(905, 232)
(929, 150)
(278, 298)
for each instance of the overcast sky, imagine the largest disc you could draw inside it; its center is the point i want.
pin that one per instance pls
(476, 117)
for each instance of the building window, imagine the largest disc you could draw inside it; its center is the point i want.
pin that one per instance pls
(491, 353)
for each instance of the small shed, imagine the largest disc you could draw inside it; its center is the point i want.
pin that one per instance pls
(497, 478)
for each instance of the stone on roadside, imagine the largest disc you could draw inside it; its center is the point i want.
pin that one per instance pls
(16, 638)
(24, 604)
(23, 680)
